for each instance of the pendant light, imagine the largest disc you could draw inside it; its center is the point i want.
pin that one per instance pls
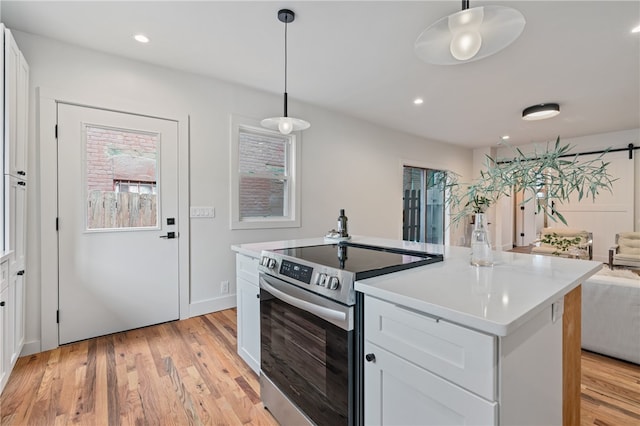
(285, 124)
(469, 35)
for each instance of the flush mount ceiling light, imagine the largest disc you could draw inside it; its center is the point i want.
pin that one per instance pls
(469, 35)
(285, 124)
(540, 112)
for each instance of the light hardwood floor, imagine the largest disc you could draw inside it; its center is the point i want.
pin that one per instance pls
(188, 373)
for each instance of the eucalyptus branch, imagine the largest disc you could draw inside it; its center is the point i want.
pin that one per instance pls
(545, 176)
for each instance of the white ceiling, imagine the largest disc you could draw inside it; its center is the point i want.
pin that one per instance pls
(357, 57)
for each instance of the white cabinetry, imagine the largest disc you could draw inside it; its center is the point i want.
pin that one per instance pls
(424, 370)
(4, 320)
(15, 216)
(16, 90)
(421, 370)
(15, 96)
(248, 305)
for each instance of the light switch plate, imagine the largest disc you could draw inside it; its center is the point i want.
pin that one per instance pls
(202, 212)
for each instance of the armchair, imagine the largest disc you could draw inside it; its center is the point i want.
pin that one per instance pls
(626, 251)
(583, 249)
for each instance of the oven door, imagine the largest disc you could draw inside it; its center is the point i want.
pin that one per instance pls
(307, 355)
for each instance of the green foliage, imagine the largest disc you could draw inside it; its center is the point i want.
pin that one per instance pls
(550, 175)
(560, 243)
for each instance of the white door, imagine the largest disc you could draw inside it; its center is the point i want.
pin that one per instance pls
(117, 221)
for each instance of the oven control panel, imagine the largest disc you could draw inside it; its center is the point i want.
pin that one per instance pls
(333, 283)
(296, 271)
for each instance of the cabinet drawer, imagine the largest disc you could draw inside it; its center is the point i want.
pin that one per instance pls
(463, 356)
(398, 392)
(247, 268)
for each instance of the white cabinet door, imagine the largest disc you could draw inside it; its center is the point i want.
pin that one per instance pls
(17, 291)
(398, 392)
(15, 220)
(460, 355)
(4, 357)
(248, 298)
(16, 88)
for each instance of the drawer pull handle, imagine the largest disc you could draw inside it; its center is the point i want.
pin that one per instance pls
(1, 304)
(370, 357)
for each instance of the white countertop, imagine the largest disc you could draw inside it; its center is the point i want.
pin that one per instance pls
(495, 300)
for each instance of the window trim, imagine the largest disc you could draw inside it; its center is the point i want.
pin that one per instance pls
(292, 197)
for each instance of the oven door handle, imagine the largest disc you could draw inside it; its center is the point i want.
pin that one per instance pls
(321, 311)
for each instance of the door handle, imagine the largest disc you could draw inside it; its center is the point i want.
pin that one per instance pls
(170, 235)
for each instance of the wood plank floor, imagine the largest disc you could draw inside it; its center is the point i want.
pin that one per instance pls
(187, 373)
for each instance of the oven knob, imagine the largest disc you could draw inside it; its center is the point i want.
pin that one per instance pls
(333, 283)
(321, 280)
(271, 263)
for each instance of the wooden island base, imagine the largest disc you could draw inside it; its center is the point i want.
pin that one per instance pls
(571, 355)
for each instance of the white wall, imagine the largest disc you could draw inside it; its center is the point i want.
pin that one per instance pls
(346, 163)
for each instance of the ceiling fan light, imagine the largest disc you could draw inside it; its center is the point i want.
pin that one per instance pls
(540, 111)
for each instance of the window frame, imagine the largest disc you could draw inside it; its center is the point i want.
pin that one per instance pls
(291, 219)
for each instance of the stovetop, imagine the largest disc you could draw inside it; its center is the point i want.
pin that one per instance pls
(362, 260)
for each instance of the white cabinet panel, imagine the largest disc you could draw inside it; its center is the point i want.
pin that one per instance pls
(4, 322)
(4, 274)
(461, 355)
(17, 294)
(248, 308)
(247, 268)
(16, 89)
(398, 392)
(15, 216)
(248, 296)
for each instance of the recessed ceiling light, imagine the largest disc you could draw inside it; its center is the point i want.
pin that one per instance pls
(418, 101)
(636, 29)
(505, 137)
(141, 38)
(540, 111)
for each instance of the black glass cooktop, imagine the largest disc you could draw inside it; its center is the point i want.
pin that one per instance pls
(363, 260)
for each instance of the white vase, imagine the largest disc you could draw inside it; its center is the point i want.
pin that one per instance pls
(481, 254)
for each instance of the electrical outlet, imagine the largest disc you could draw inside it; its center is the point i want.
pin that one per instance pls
(224, 287)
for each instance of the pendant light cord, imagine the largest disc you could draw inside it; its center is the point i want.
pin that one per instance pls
(285, 57)
(285, 70)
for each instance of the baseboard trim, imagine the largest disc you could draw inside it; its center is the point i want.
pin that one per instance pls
(212, 305)
(31, 348)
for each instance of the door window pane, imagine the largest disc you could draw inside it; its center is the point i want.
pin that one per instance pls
(120, 172)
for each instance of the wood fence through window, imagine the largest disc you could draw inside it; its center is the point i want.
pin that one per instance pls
(109, 209)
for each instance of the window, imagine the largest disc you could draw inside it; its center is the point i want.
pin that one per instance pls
(136, 187)
(264, 193)
(121, 168)
(423, 206)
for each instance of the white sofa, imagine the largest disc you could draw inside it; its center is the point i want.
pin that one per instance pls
(611, 316)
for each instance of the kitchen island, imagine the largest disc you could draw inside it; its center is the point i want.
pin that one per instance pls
(491, 345)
